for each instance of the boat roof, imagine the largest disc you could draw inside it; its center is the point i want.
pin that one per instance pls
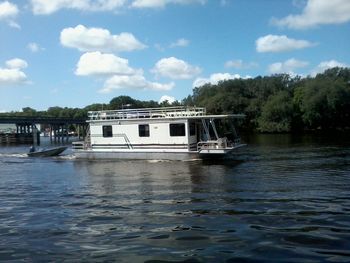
(157, 113)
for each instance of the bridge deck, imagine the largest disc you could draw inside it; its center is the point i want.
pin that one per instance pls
(40, 120)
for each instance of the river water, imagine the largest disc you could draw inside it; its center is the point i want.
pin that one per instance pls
(280, 199)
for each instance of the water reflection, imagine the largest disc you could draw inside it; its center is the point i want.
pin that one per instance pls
(273, 201)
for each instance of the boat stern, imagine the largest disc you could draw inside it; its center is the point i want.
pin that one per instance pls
(217, 148)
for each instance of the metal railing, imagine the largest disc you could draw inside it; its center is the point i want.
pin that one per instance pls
(221, 143)
(147, 113)
(86, 144)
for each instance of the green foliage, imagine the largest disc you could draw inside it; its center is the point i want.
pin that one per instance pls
(281, 103)
(96, 107)
(27, 111)
(122, 102)
(277, 103)
(324, 102)
(277, 113)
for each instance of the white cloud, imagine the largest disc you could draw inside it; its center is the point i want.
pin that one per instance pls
(182, 42)
(16, 63)
(96, 63)
(34, 47)
(14, 24)
(170, 99)
(317, 12)
(324, 65)
(275, 43)
(175, 69)
(46, 7)
(12, 74)
(8, 10)
(288, 66)
(98, 39)
(116, 72)
(137, 81)
(148, 3)
(163, 3)
(214, 79)
(239, 64)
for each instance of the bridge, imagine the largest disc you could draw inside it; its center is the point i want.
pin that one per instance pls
(40, 120)
(26, 130)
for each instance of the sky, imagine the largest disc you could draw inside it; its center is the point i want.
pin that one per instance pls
(72, 53)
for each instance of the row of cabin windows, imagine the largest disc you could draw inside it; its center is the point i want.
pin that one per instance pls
(176, 130)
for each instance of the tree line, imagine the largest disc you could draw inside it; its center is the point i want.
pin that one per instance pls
(277, 103)
(282, 103)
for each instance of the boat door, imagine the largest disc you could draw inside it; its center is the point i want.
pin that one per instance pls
(192, 136)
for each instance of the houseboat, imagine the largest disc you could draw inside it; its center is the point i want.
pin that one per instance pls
(171, 133)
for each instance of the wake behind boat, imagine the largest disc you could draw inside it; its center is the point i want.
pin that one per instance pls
(46, 152)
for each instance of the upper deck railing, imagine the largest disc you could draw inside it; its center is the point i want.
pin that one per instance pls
(147, 113)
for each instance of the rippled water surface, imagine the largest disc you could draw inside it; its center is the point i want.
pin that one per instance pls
(279, 199)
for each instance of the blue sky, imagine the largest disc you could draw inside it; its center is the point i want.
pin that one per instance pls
(72, 53)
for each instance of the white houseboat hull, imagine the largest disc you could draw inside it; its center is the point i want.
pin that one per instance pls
(146, 154)
(181, 156)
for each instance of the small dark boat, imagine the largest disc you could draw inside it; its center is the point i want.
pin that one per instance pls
(47, 152)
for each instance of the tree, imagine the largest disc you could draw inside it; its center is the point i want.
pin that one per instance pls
(277, 113)
(54, 111)
(96, 107)
(27, 111)
(121, 102)
(324, 102)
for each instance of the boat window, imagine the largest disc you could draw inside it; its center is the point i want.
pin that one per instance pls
(107, 131)
(177, 129)
(144, 130)
(192, 129)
